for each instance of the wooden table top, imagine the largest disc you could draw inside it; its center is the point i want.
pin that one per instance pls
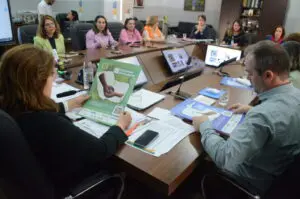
(94, 55)
(167, 172)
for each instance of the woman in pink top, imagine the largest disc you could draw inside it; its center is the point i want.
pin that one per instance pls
(130, 35)
(99, 36)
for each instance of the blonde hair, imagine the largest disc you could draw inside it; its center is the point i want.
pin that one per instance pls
(152, 20)
(24, 72)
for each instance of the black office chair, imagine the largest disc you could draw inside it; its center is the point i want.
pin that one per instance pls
(284, 186)
(26, 33)
(78, 32)
(250, 38)
(61, 18)
(22, 177)
(115, 29)
(139, 26)
(183, 27)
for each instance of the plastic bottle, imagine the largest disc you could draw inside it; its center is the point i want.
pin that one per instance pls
(88, 73)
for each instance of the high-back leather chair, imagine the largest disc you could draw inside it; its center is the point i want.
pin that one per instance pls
(21, 175)
(78, 32)
(284, 186)
(115, 29)
(26, 33)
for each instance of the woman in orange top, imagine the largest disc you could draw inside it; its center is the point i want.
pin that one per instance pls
(151, 30)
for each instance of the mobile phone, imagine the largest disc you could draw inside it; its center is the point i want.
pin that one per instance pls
(145, 139)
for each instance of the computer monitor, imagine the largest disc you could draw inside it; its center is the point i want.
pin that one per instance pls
(215, 55)
(142, 79)
(176, 59)
(6, 33)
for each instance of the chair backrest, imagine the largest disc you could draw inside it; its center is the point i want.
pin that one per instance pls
(61, 18)
(115, 29)
(185, 27)
(78, 32)
(20, 173)
(285, 185)
(26, 33)
(250, 38)
(139, 26)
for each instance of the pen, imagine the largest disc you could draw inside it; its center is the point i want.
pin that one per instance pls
(130, 131)
(152, 151)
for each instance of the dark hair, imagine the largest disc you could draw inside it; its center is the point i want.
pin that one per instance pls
(293, 49)
(283, 31)
(202, 16)
(75, 15)
(230, 30)
(270, 57)
(24, 72)
(135, 18)
(41, 28)
(95, 29)
(127, 21)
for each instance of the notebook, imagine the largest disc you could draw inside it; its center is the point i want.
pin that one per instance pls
(143, 99)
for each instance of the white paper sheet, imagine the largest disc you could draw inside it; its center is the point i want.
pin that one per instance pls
(92, 127)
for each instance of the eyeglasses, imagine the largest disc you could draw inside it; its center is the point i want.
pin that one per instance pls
(50, 25)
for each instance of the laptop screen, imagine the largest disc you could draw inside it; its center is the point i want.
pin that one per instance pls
(215, 55)
(176, 59)
(142, 79)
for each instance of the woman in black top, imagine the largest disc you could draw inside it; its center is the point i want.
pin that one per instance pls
(235, 35)
(202, 31)
(63, 150)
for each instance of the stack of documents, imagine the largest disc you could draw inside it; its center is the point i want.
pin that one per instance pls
(171, 131)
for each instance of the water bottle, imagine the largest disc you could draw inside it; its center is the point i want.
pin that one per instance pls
(88, 73)
(232, 41)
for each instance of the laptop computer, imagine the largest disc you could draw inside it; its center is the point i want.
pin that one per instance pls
(215, 55)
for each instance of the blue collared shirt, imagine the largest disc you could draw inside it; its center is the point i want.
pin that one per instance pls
(265, 143)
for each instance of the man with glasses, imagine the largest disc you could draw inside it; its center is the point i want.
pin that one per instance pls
(268, 140)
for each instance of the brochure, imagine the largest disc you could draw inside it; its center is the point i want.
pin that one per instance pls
(112, 86)
(222, 120)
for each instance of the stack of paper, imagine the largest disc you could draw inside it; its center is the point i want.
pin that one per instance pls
(171, 131)
(143, 99)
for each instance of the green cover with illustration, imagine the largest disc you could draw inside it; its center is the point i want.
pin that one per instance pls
(112, 86)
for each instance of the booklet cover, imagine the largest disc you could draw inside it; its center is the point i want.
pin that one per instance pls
(112, 86)
(233, 82)
(223, 120)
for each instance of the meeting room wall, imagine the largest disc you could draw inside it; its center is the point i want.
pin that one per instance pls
(23, 5)
(174, 10)
(91, 8)
(292, 22)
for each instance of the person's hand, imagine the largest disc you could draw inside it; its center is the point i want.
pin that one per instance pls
(235, 45)
(103, 45)
(239, 108)
(124, 120)
(199, 120)
(77, 102)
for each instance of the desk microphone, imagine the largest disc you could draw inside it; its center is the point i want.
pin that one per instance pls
(224, 63)
(68, 93)
(181, 94)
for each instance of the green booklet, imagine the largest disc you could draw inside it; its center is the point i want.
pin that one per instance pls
(112, 86)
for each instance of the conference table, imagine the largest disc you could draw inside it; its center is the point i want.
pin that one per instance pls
(165, 173)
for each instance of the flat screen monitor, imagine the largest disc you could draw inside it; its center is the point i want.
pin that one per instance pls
(215, 55)
(176, 59)
(6, 33)
(142, 79)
